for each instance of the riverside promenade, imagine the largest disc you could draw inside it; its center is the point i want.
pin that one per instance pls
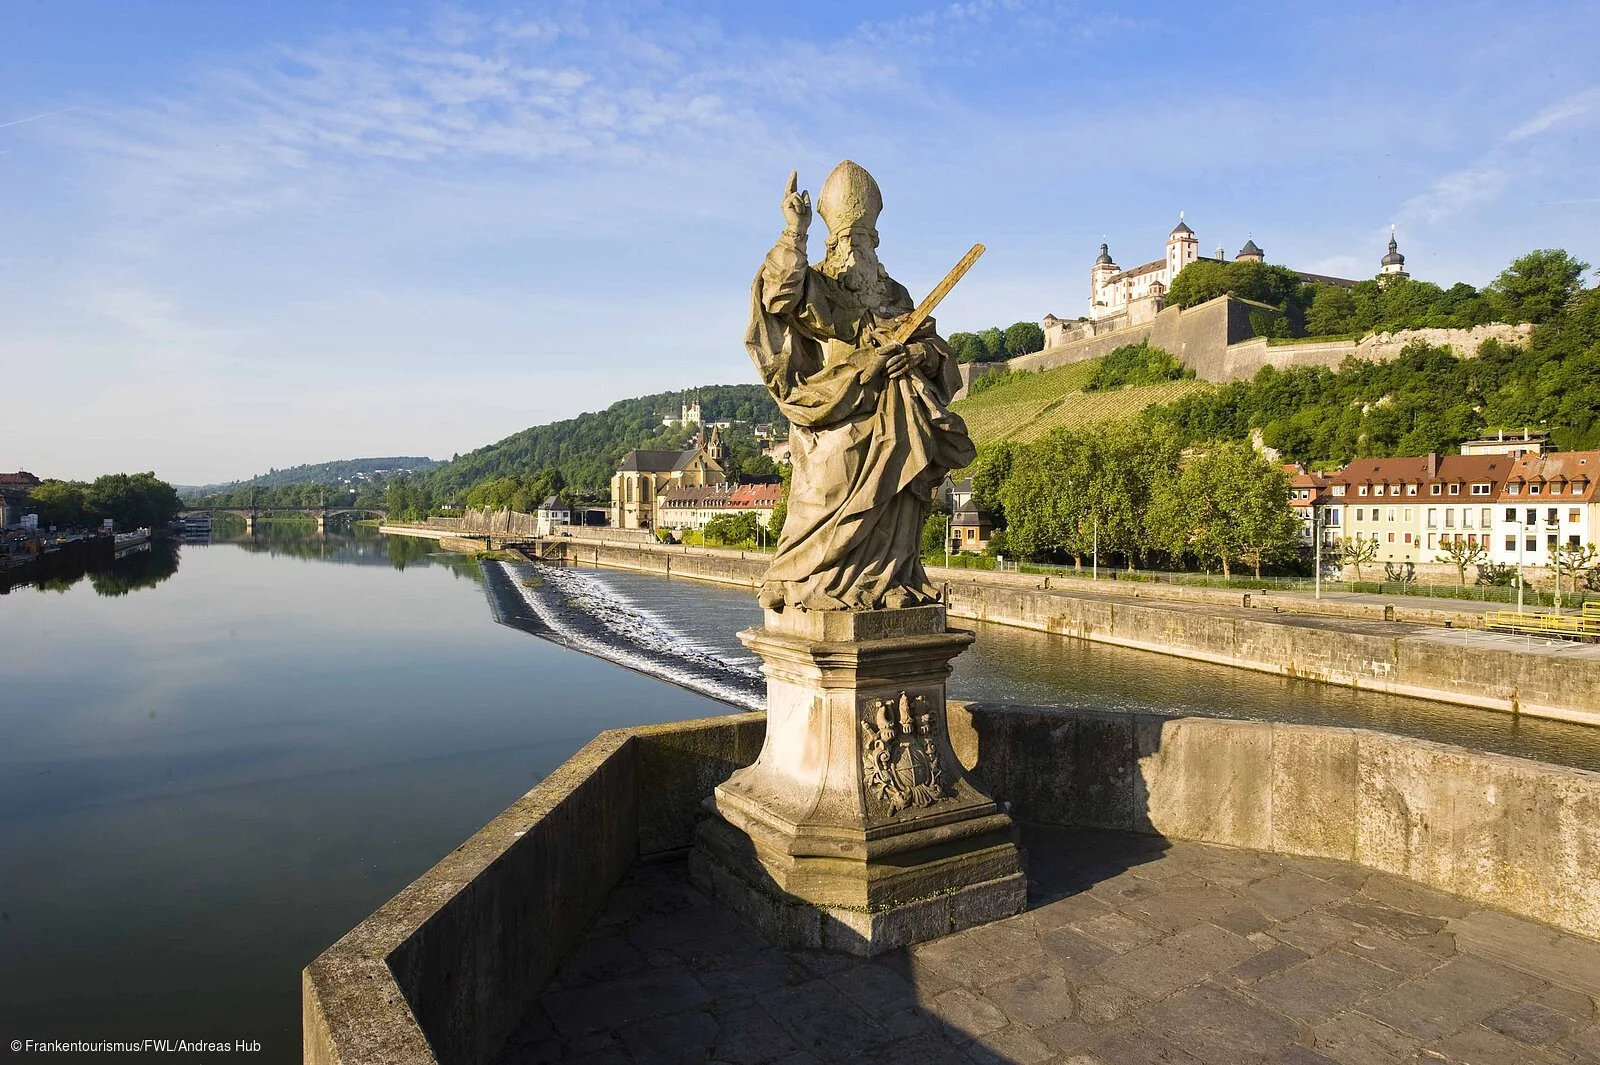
(1412, 646)
(1133, 950)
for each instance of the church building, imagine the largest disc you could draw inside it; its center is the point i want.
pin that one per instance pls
(643, 475)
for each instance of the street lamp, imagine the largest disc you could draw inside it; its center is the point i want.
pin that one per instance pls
(947, 541)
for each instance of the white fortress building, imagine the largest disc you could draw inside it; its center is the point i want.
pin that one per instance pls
(1120, 299)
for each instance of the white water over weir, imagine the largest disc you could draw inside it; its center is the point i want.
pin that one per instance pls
(583, 614)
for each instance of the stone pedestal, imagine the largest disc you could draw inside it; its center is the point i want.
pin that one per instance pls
(856, 829)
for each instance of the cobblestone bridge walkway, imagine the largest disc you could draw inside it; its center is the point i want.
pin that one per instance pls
(1134, 950)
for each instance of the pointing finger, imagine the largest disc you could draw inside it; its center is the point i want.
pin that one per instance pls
(805, 198)
(794, 181)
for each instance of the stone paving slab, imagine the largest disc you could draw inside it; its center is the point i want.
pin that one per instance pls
(1134, 951)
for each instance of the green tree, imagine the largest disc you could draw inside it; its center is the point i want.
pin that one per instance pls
(994, 344)
(1332, 310)
(1046, 497)
(732, 530)
(1023, 338)
(1537, 286)
(989, 475)
(1227, 505)
(60, 503)
(934, 530)
(1132, 365)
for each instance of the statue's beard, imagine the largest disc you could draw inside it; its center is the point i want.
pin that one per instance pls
(855, 266)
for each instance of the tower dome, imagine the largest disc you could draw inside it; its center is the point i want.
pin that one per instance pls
(1250, 253)
(1105, 257)
(1181, 229)
(1393, 264)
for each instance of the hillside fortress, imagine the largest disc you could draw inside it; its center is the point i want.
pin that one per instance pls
(1121, 298)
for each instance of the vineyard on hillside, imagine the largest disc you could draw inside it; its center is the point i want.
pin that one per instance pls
(1035, 403)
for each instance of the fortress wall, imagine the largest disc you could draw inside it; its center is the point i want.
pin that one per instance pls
(1243, 359)
(1198, 336)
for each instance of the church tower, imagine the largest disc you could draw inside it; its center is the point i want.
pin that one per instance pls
(1393, 264)
(1183, 248)
(691, 411)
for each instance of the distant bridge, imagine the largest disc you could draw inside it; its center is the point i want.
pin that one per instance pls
(250, 513)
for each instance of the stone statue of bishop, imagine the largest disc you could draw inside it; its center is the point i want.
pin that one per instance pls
(872, 433)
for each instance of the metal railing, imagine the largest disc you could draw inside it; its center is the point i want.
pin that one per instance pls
(1584, 625)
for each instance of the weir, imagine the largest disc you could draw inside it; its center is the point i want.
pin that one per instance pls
(1421, 658)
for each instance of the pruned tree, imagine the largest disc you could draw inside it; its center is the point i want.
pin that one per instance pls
(1461, 554)
(1574, 562)
(1357, 552)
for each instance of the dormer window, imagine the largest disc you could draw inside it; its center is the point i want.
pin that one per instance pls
(1436, 489)
(1377, 489)
(1411, 489)
(1533, 489)
(1513, 489)
(1361, 491)
(1455, 489)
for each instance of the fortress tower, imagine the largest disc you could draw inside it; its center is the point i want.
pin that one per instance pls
(1393, 264)
(1183, 248)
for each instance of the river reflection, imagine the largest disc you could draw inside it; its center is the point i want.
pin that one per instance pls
(207, 781)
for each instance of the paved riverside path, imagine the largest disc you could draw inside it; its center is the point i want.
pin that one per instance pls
(1134, 951)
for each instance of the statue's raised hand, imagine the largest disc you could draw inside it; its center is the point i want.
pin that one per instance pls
(796, 206)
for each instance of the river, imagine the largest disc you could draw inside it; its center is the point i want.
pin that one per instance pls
(215, 759)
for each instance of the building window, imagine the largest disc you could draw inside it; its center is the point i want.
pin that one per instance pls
(1575, 540)
(1535, 489)
(1513, 489)
(1511, 513)
(1361, 491)
(1511, 543)
(1431, 537)
(1407, 518)
(1408, 538)
(1574, 514)
(1436, 489)
(1333, 517)
(1533, 517)
(1411, 489)
(1486, 518)
(1472, 538)
(1391, 538)
(1480, 489)
(1391, 514)
(1361, 514)
(1532, 544)
(1338, 490)
(1550, 516)
(1455, 489)
(1466, 517)
(1550, 541)
(1433, 517)
(1449, 518)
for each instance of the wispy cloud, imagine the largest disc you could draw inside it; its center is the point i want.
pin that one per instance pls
(1514, 155)
(35, 118)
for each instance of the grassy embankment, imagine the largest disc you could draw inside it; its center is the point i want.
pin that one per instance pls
(1032, 404)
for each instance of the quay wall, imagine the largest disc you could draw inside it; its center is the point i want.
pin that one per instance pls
(445, 970)
(1383, 648)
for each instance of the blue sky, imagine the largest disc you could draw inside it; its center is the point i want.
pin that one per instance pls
(246, 235)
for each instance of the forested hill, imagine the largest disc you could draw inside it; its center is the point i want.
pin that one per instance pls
(340, 473)
(585, 449)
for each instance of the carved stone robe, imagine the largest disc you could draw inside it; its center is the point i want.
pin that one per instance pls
(867, 451)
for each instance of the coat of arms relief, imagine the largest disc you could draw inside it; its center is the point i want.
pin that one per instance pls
(900, 758)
